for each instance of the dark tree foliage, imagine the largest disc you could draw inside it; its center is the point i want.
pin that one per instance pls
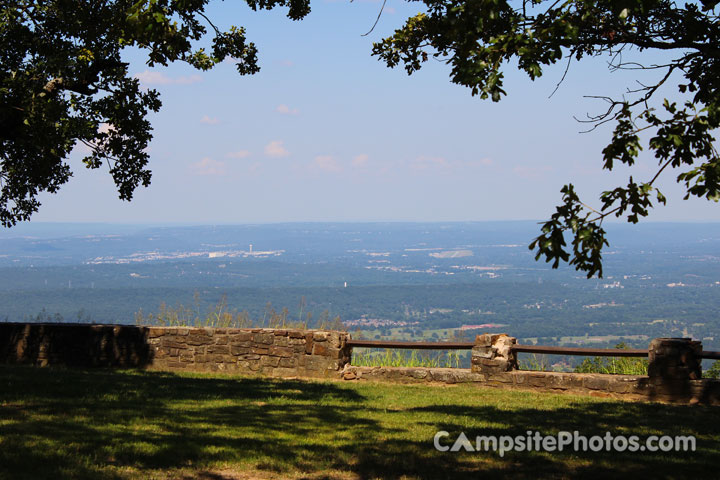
(479, 38)
(63, 82)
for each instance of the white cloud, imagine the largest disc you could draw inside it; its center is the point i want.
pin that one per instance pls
(285, 110)
(208, 166)
(360, 160)
(426, 163)
(238, 154)
(287, 63)
(326, 163)
(188, 80)
(209, 120)
(153, 77)
(276, 149)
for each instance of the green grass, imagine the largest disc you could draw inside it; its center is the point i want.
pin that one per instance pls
(614, 365)
(57, 423)
(534, 362)
(385, 357)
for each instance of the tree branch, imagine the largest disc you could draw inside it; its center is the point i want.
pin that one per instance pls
(376, 20)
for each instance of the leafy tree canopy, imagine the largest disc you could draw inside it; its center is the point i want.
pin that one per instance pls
(62, 81)
(479, 38)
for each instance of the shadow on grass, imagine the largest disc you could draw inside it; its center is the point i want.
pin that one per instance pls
(595, 419)
(115, 424)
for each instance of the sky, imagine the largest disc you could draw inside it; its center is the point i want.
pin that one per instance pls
(326, 132)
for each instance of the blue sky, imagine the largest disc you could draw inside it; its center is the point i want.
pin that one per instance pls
(325, 132)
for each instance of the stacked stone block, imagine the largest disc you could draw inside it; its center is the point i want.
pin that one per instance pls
(675, 369)
(493, 354)
(675, 359)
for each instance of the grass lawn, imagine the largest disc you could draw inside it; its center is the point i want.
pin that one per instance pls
(61, 423)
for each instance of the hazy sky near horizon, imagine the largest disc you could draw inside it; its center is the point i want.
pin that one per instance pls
(325, 132)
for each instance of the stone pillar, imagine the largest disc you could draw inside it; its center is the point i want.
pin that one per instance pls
(492, 354)
(674, 359)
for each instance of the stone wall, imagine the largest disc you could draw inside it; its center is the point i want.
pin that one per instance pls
(74, 345)
(674, 373)
(273, 352)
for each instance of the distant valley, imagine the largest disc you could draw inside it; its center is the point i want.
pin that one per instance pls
(399, 280)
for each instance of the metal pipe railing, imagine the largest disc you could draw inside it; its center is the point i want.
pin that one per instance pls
(589, 352)
(411, 345)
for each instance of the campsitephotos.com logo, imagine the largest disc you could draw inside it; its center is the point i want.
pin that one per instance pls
(574, 441)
